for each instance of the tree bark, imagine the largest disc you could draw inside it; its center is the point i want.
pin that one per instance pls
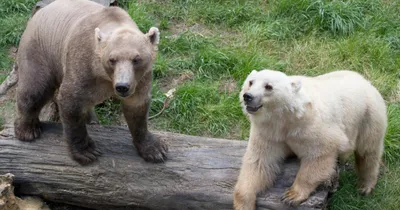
(199, 174)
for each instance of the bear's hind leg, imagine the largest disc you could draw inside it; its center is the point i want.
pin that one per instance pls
(367, 162)
(35, 87)
(369, 149)
(367, 170)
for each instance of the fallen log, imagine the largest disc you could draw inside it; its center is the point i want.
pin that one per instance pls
(199, 174)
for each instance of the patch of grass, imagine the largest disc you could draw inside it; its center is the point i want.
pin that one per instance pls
(392, 139)
(273, 28)
(109, 111)
(228, 13)
(336, 17)
(14, 26)
(16, 7)
(193, 110)
(1, 123)
(5, 63)
(185, 44)
(386, 24)
(279, 19)
(143, 20)
(13, 17)
(385, 196)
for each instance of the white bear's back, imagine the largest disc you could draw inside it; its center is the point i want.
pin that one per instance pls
(345, 99)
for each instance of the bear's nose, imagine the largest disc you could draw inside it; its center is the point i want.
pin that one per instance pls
(122, 87)
(247, 97)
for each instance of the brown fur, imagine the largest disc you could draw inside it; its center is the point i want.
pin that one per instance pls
(68, 46)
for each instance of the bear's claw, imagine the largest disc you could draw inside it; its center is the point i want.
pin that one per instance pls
(84, 158)
(292, 197)
(365, 190)
(153, 150)
(87, 155)
(27, 132)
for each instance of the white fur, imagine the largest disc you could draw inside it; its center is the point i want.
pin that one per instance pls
(317, 119)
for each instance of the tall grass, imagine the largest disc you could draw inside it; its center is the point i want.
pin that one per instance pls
(336, 17)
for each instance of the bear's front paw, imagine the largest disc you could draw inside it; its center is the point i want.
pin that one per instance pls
(152, 149)
(27, 131)
(86, 152)
(293, 197)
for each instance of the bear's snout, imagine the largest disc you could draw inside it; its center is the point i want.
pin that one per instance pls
(248, 97)
(122, 88)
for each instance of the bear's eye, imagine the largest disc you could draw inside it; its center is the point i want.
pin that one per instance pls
(250, 83)
(268, 87)
(136, 60)
(112, 61)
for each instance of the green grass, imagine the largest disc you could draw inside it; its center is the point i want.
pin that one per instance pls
(13, 17)
(109, 111)
(219, 42)
(392, 140)
(1, 123)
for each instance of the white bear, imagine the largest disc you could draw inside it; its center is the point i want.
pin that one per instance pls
(319, 119)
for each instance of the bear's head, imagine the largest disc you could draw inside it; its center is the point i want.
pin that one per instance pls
(267, 90)
(126, 55)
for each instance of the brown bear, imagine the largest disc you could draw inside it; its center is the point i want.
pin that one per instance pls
(89, 53)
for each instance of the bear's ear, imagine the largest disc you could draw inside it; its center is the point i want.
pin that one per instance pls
(99, 35)
(100, 39)
(253, 72)
(296, 85)
(154, 35)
